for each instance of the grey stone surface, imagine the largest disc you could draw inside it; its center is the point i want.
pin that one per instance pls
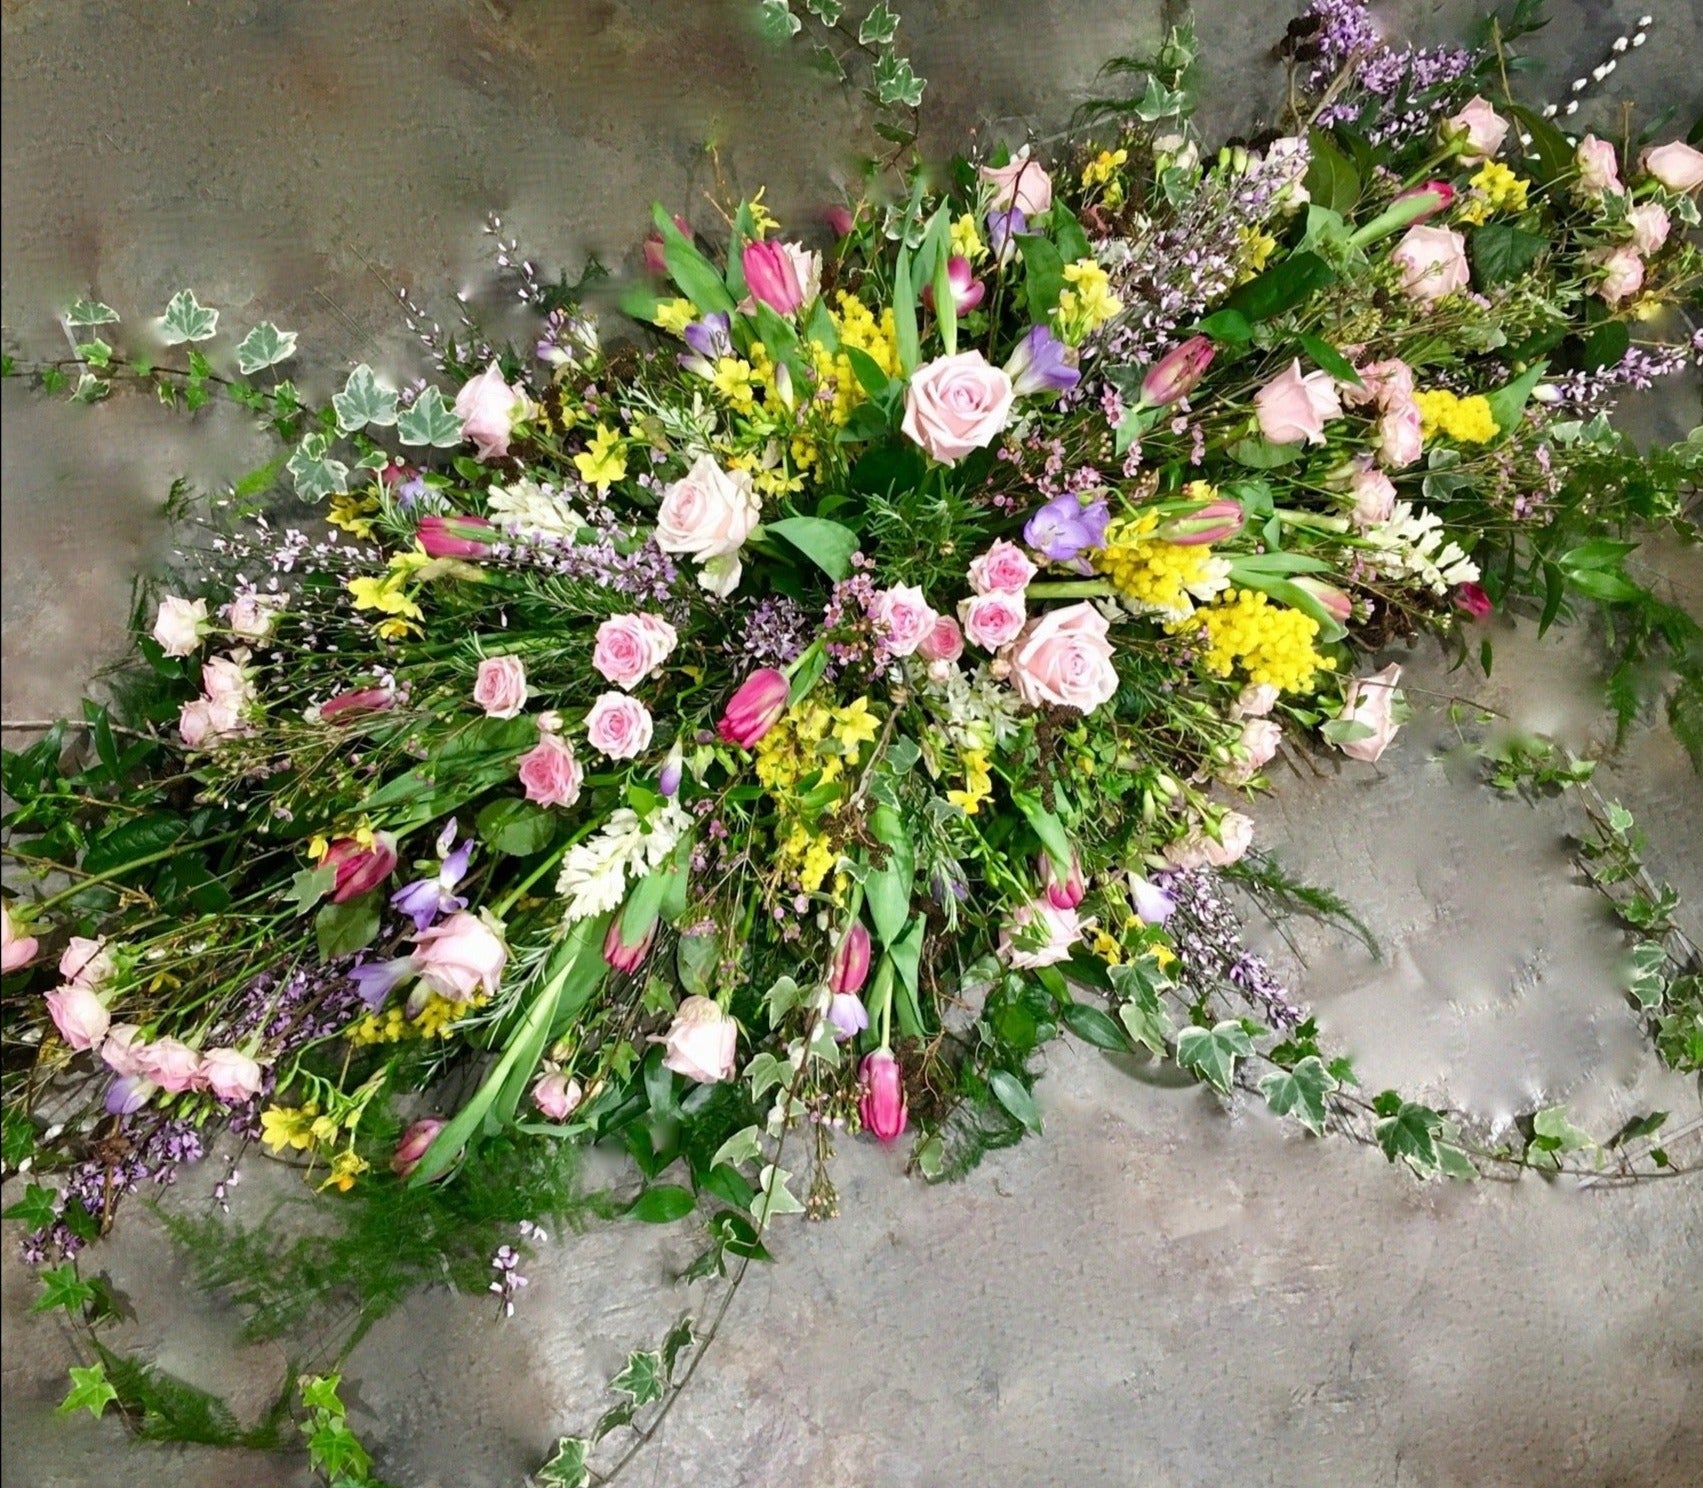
(1159, 1291)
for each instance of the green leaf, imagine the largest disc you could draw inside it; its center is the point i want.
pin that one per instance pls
(315, 473)
(364, 400)
(131, 841)
(879, 26)
(663, 1203)
(1211, 1053)
(1009, 1091)
(776, 22)
(895, 81)
(187, 320)
(311, 885)
(642, 1378)
(90, 1391)
(1261, 454)
(1043, 274)
(1408, 1132)
(1502, 252)
(1331, 360)
(86, 312)
(1508, 403)
(429, 420)
(905, 312)
(1281, 287)
(265, 346)
(567, 1465)
(774, 1197)
(518, 828)
(1606, 345)
(828, 545)
(1300, 1092)
(695, 275)
(62, 1288)
(342, 929)
(828, 12)
(1331, 178)
(37, 1207)
(1092, 1026)
(1552, 1135)
(1227, 327)
(888, 889)
(742, 1147)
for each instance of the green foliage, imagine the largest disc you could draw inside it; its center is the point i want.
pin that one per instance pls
(186, 319)
(160, 1407)
(90, 1391)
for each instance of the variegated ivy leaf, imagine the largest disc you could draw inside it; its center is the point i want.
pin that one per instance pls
(775, 1198)
(895, 83)
(878, 26)
(642, 1378)
(566, 1467)
(828, 12)
(742, 1147)
(317, 475)
(265, 346)
(90, 389)
(91, 313)
(364, 400)
(775, 20)
(187, 319)
(429, 420)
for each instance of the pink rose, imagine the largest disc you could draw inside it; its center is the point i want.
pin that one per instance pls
(1650, 225)
(489, 409)
(170, 1064)
(1623, 274)
(1676, 165)
(1022, 185)
(1258, 743)
(79, 1015)
(179, 625)
(1004, 569)
(1400, 435)
(904, 617)
(121, 1050)
(1374, 496)
(1387, 383)
(1039, 934)
(227, 685)
(992, 620)
(956, 404)
(1478, 130)
(459, 956)
(415, 1144)
(1254, 701)
(702, 1042)
(708, 513)
(549, 773)
(86, 962)
(1371, 701)
(252, 616)
(1598, 170)
(500, 687)
(1295, 405)
(944, 643)
(231, 1075)
(16, 948)
(1433, 262)
(1063, 659)
(557, 1096)
(1199, 848)
(632, 647)
(618, 726)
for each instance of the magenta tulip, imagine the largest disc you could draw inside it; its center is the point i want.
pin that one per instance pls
(1176, 374)
(621, 956)
(1214, 522)
(455, 537)
(850, 968)
(967, 290)
(414, 1145)
(882, 1104)
(772, 277)
(358, 868)
(755, 709)
(348, 706)
(1065, 892)
(1439, 194)
(1473, 600)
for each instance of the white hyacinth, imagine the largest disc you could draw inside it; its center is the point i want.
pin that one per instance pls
(594, 874)
(527, 509)
(1412, 544)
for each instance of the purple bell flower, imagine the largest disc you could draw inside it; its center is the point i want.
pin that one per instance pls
(847, 1015)
(374, 980)
(1064, 529)
(1152, 903)
(128, 1094)
(1041, 364)
(709, 341)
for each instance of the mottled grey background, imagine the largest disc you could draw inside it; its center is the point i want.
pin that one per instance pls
(1158, 1292)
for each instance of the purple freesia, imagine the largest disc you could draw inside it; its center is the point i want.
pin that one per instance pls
(374, 980)
(1152, 903)
(427, 898)
(1003, 228)
(127, 1094)
(1041, 364)
(1064, 529)
(847, 1015)
(709, 341)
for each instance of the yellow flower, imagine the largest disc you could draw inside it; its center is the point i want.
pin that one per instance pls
(1495, 188)
(1272, 644)
(1257, 248)
(1464, 420)
(967, 239)
(733, 378)
(387, 592)
(287, 1126)
(354, 513)
(603, 462)
(1106, 947)
(345, 1168)
(674, 315)
(978, 783)
(1088, 302)
(760, 216)
(1103, 167)
(854, 725)
(1158, 573)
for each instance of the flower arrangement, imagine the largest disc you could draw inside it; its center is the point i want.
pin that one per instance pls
(776, 721)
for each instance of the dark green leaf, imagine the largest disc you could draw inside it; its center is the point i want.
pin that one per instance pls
(1009, 1091)
(131, 841)
(343, 929)
(1095, 1027)
(828, 545)
(663, 1203)
(1282, 287)
(516, 827)
(1502, 252)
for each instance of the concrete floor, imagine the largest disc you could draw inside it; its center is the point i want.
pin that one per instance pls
(1157, 1292)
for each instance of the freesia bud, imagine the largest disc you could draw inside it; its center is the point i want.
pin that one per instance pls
(1152, 903)
(882, 1104)
(1337, 604)
(359, 868)
(1004, 229)
(414, 1145)
(621, 956)
(668, 781)
(851, 962)
(755, 708)
(1041, 364)
(455, 537)
(1176, 374)
(1065, 892)
(1215, 522)
(967, 290)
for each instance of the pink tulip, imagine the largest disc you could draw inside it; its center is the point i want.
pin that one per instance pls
(1214, 522)
(455, 537)
(1473, 601)
(621, 956)
(557, 1096)
(1066, 892)
(850, 968)
(754, 709)
(656, 261)
(358, 868)
(1438, 195)
(967, 290)
(1176, 374)
(771, 275)
(415, 1143)
(882, 1103)
(345, 707)
(16, 948)
(1337, 604)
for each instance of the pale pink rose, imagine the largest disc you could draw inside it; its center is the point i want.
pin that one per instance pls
(1400, 435)
(992, 620)
(79, 1015)
(1371, 701)
(618, 726)
(1064, 659)
(170, 1064)
(944, 643)
(86, 962)
(194, 722)
(180, 624)
(121, 1050)
(1374, 496)
(231, 1075)
(1387, 383)
(632, 647)
(16, 948)
(1254, 701)
(1199, 848)
(1598, 170)
(1295, 405)
(1260, 738)
(956, 404)
(707, 513)
(1650, 227)
(557, 1096)
(252, 616)
(459, 956)
(702, 1042)
(1479, 129)
(1004, 569)
(549, 773)
(1623, 274)
(1039, 934)
(1676, 165)
(904, 616)
(489, 409)
(500, 686)
(228, 688)
(1022, 184)
(1432, 261)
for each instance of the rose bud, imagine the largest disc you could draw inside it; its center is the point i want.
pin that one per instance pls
(455, 537)
(348, 706)
(1176, 374)
(557, 1096)
(967, 290)
(755, 708)
(882, 1104)
(850, 969)
(656, 260)
(1066, 892)
(702, 1042)
(359, 868)
(1473, 601)
(840, 221)
(1337, 604)
(1217, 521)
(17, 948)
(624, 957)
(414, 1145)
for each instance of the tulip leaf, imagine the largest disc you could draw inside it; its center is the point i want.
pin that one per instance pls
(1010, 1092)
(828, 545)
(688, 268)
(906, 955)
(888, 888)
(518, 828)
(662, 1203)
(1047, 827)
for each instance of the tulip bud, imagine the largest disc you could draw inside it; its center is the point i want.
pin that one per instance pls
(850, 969)
(1438, 196)
(656, 259)
(1336, 603)
(1215, 522)
(1066, 892)
(414, 1144)
(668, 781)
(455, 537)
(840, 221)
(358, 868)
(557, 1096)
(1472, 600)
(755, 708)
(347, 706)
(967, 290)
(623, 957)
(882, 1103)
(1176, 374)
